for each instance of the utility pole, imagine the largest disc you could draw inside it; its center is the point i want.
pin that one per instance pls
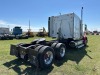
(29, 25)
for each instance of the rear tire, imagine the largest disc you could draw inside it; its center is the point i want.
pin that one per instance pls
(34, 55)
(54, 45)
(46, 57)
(60, 50)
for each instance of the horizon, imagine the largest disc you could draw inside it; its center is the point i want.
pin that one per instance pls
(19, 12)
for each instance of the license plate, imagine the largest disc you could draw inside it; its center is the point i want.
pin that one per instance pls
(22, 56)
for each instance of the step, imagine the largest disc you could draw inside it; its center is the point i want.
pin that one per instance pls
(79, 46)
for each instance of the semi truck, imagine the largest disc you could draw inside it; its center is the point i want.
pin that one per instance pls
(4, 30)
(5, 34)
(66, 28)
(17, 30)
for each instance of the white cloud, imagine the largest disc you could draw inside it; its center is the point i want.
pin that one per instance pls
(24, 27)
(2, 22)
(94, 28)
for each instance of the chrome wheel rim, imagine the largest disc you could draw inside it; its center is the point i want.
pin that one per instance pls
(48, 57)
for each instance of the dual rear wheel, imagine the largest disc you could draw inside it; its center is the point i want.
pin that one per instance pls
(45, 55)
(60, 50)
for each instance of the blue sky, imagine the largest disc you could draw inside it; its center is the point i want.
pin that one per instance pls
(18, 12)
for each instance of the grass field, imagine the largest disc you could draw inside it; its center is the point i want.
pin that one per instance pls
(84, 61)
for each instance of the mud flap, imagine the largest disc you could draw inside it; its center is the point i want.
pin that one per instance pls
(33, 57)
(13, 50)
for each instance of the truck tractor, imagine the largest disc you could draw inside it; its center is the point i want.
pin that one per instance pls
(66, 28)
(17, 30)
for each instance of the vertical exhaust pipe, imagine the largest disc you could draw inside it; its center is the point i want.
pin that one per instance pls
(82, 15)
(81, 25)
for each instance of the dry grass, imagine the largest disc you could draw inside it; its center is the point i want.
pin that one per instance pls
(84, 61)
